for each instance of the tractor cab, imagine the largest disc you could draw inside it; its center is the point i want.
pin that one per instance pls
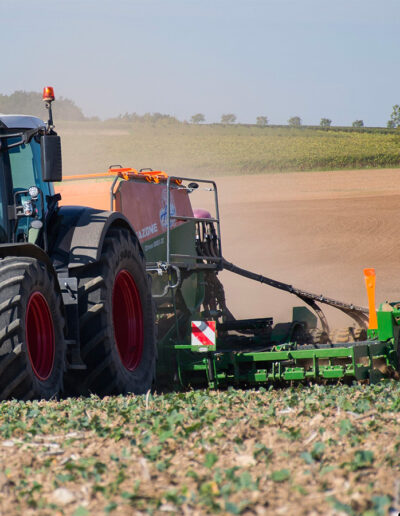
(30, 159)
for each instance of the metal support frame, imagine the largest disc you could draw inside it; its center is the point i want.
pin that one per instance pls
(69, 292)
(170, 217)
(285, 363)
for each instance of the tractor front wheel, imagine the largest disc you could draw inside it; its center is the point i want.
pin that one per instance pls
(32, 345)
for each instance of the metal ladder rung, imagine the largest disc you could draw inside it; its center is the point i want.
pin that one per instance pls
(196, 219)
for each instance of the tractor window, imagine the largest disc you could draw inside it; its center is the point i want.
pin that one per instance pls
(26, 169)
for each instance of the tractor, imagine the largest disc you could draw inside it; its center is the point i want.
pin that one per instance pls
(76, 309)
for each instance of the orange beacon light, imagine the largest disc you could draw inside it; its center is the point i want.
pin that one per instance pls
(48, 94)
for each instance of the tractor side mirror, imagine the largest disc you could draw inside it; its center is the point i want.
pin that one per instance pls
(51, 157)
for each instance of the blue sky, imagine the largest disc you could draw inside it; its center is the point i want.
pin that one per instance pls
(280, 58)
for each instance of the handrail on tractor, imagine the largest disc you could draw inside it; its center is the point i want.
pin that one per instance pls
(179, 180)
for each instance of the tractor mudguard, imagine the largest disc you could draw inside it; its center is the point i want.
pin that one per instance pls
(79, 232)
(24, 249)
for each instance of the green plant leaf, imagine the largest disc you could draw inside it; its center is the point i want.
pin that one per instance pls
(280, 475)
(307, 457)
(340, 507)
(210, 460)
(318, 451)
(81, 511)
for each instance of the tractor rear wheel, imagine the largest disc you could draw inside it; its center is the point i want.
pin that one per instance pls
(32, 345)
(117, 328)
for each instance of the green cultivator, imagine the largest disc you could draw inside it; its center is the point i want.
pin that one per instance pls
(263, 364)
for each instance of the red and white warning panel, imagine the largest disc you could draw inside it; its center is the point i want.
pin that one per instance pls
(204, 335)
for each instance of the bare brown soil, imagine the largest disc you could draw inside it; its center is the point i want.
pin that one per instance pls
(315, 230)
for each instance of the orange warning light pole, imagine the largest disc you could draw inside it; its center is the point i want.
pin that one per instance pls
(370, 280)
(48, 98)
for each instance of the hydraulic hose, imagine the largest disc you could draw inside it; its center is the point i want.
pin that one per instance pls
(357, 313)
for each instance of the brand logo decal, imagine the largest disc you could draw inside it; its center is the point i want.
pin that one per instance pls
(163, 211)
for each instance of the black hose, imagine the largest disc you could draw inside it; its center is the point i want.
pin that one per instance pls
(358, 313)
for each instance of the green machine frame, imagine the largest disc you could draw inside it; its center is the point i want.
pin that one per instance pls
(263, 364)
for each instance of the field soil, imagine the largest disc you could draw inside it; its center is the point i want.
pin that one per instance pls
(315, 230)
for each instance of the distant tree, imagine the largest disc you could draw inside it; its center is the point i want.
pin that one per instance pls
(148, 118)
(295, 121)
(262, 121)
(197, 118)
(229, 118)
(358, 123)
(395, 117)
(159, 118)
(30, 103)
(325, 122)
(391, 124)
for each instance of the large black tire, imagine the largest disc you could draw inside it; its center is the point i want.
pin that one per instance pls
(120, 355)
(32, 345)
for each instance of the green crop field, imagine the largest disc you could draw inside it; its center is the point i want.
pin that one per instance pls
(306, 450)
(213, 150)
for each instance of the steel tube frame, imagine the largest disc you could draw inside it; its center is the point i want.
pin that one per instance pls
(175, 217)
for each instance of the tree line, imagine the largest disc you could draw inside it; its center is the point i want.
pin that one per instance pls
(29, 102)
(296, 121)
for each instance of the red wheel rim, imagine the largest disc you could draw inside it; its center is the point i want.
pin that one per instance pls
(39, 333)
(128, 320)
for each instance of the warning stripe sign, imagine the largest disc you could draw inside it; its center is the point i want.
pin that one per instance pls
(203, 333)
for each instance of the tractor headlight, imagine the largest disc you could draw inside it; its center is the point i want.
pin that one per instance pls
(34, 192)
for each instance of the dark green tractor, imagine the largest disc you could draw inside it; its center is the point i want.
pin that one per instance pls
(75, 300)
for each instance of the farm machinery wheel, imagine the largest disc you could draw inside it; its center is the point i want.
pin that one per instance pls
(32, 345)
(214, 297)
(117, 319)
(341, 335)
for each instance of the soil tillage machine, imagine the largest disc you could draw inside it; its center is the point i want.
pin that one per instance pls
(200, 342)
(124, 295)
